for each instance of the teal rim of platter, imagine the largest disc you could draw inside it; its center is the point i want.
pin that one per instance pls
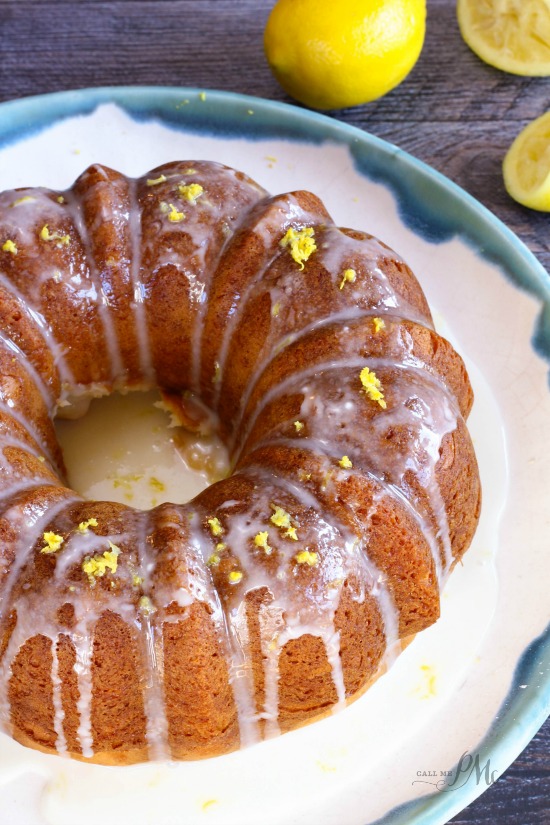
(430, 205)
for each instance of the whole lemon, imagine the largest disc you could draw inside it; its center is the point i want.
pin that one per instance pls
(330, 54)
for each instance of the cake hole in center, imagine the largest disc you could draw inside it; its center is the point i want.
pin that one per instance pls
(124, 449)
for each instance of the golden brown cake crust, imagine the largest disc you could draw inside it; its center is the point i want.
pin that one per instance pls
(279, 593)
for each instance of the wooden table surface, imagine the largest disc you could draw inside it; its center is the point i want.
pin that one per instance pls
(453, 112)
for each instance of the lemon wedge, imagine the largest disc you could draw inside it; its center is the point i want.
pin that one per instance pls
(526, 166)
(512, 35)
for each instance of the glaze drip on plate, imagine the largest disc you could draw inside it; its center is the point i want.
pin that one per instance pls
(282, 591)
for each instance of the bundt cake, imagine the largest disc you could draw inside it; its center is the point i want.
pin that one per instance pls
(280, 592)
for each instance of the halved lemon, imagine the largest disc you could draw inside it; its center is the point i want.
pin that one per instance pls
(526, 166)
(512, 35)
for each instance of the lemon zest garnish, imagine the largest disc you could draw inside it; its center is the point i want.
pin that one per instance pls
(307, 557)
(349, 275)
(190, 191)
(60, 199)
(301, 244)
(250, 111)
(275, 309)
(96, 566)
(304, 476)
(325, 480)
(378, 324)
(281, 519)
(202, 95)
(174, 215)
(137, 581)
(215, 526)
(146, 605)
(126, 481)
(220, 546)
(83, 526)
(213, 560)
(428, 688)
(156, 181)
(53, 542)
(24, 199)
(235, 576)
(157, 485)
(9, 246)
(216, 378)
(372, 386)
(260, 540)
(46, 235)
(298, 425)
(42, 458)
(345, 463)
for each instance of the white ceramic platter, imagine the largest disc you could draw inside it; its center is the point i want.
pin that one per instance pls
(478, 682)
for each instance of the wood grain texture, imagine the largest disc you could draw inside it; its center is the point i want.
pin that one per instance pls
(453, 112)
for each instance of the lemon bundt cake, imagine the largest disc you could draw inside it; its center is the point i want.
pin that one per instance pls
(280, 592)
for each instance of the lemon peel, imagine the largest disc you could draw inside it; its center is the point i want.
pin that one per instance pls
(190, 192)
(372, 386)
(215, 527)
(213, 560)
(97, 566)
(174, 215)
(84, 525)
(24, 199)
(156, 181)
(345, 463)
(235, 577)
(526, 166)
(146, 606)
(10, 246)
(348, 276)
(307, 557)
(300, 243)
(281, 519)
(46, 235)
(53, 542)
(260, 540)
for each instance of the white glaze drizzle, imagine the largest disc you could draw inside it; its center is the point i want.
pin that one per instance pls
(59, 713)
(137, 305)
(45, 391)
(233, 634)
(75, 210)
(288, 213)
(238, 219)
(152, 654)
(40, 322)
